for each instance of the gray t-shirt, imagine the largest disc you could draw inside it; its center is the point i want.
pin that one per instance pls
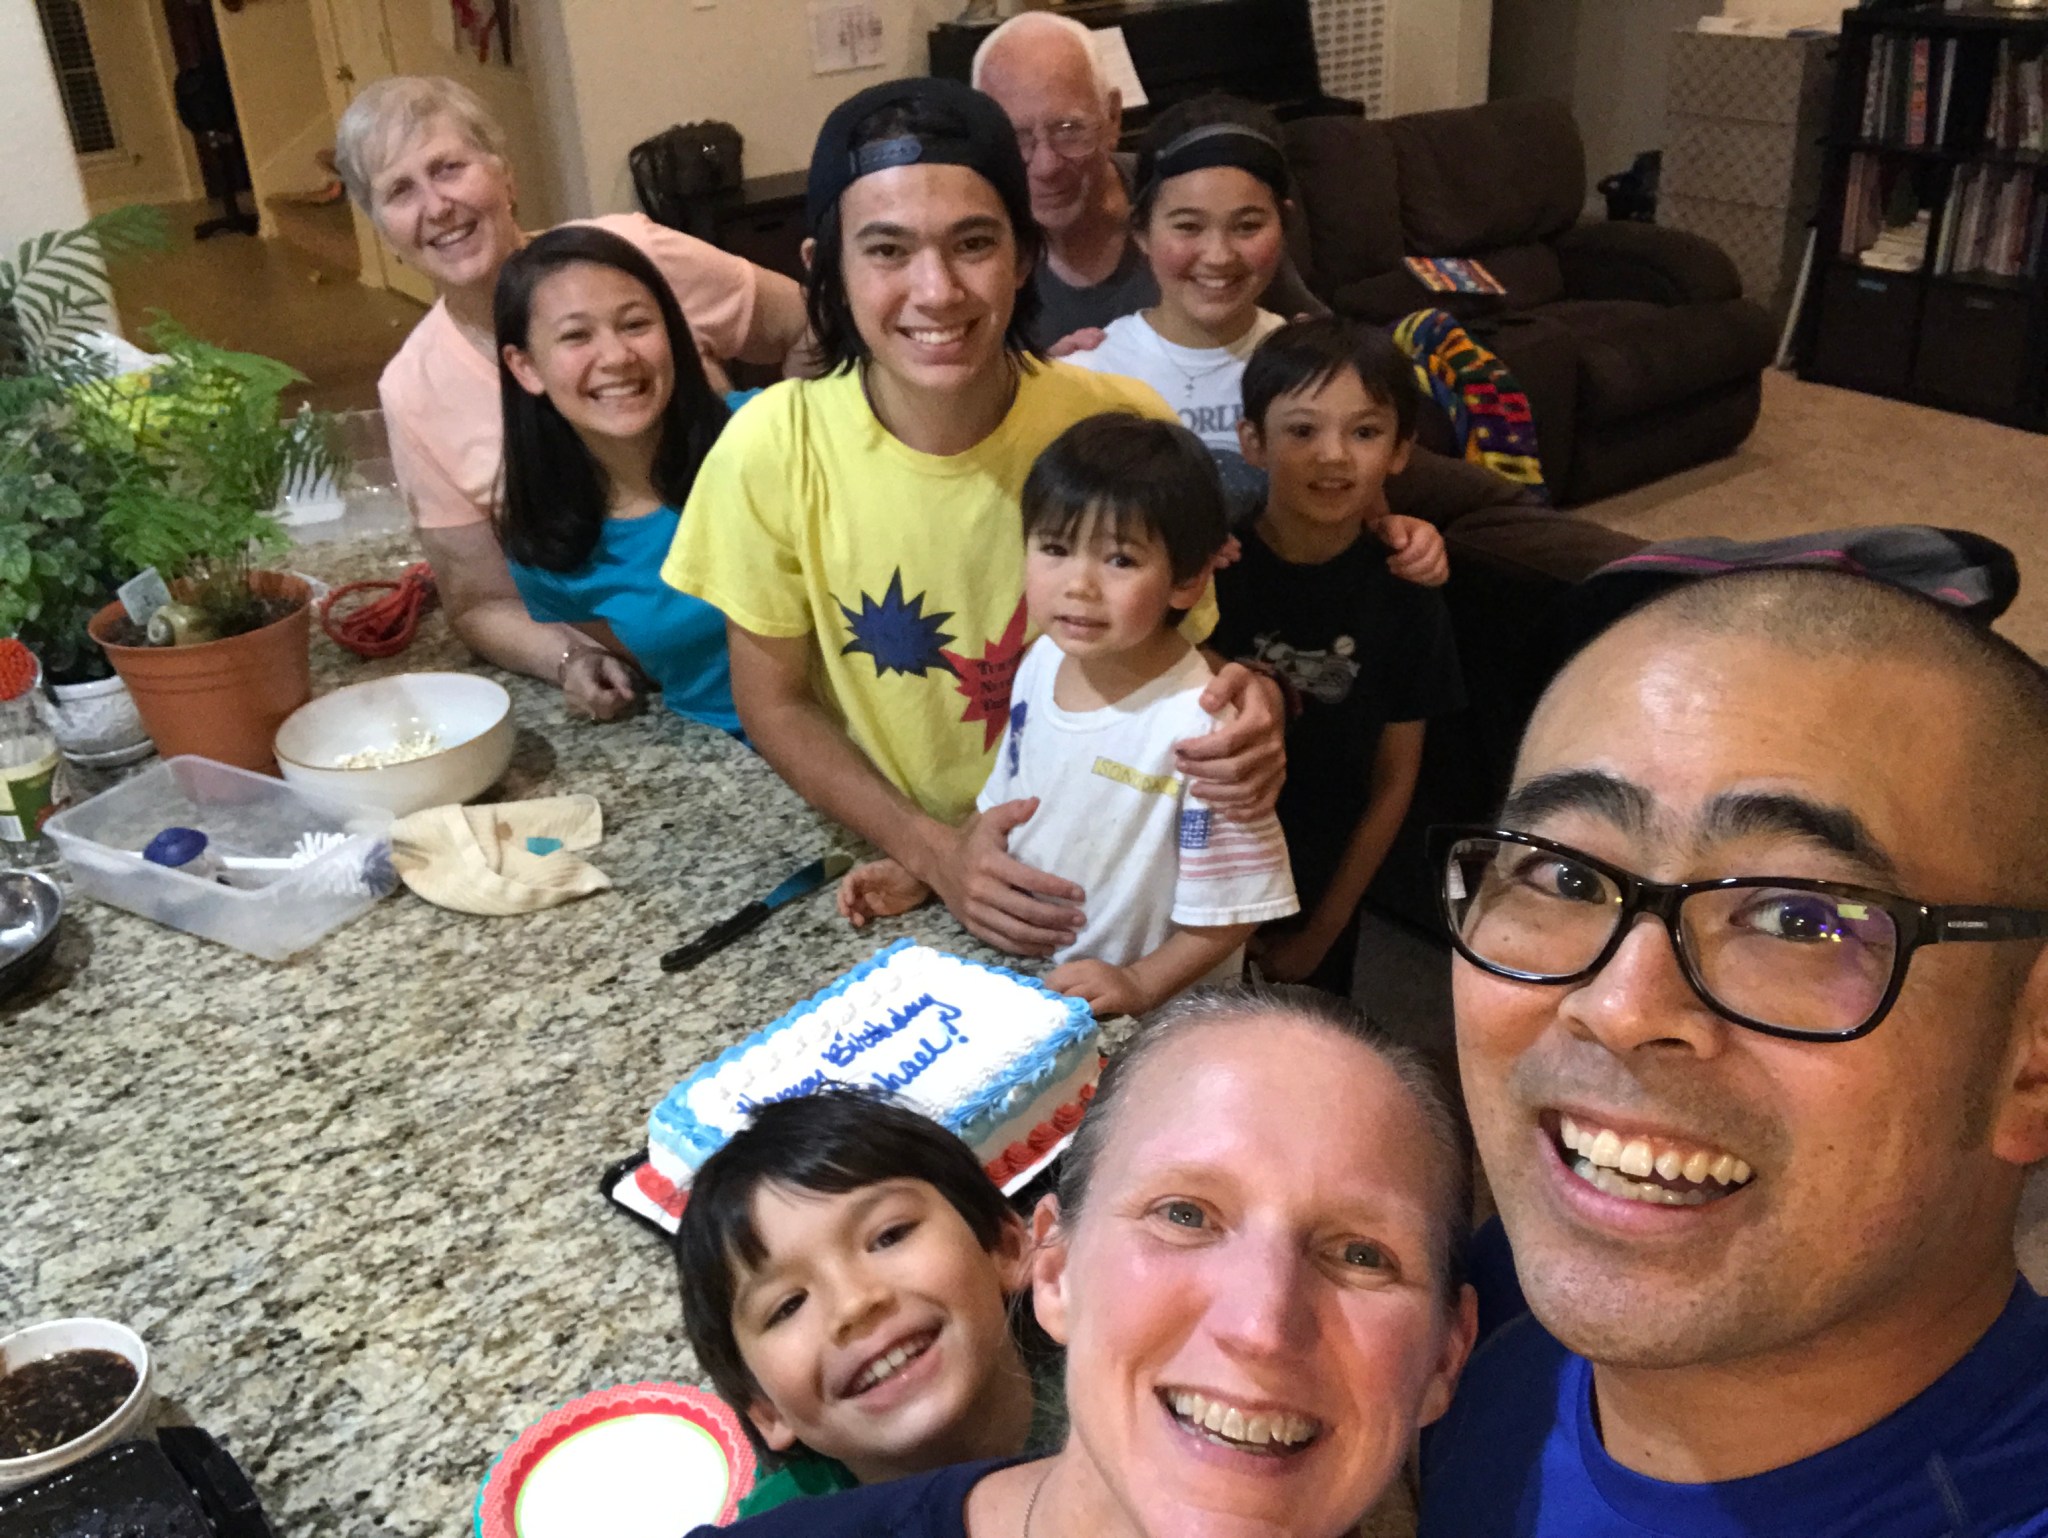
(1064, 309)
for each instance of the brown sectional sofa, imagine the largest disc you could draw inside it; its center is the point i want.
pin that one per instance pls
(1640, 355)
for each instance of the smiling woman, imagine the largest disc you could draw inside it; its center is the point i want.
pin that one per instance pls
(1254, 1264)
(422, 156)
(607, 417)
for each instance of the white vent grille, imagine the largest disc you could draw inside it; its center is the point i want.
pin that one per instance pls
(78, 77)
(1351, 48)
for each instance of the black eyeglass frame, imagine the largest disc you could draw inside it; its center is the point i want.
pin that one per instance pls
(1915, 923)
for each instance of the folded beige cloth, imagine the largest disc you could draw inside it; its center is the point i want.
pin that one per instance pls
(510, 858)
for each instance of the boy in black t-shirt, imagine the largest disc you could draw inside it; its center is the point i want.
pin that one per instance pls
(1329, 414)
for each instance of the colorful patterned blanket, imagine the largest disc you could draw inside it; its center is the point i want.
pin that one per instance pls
(1488, 409)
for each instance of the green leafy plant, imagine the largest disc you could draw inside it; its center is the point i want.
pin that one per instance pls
(55, 289)
(179, 467)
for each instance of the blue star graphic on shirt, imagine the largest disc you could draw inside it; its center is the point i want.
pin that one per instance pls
(897, 633)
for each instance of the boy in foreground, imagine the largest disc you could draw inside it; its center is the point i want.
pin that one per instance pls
(1329, 414)
(847, 1268)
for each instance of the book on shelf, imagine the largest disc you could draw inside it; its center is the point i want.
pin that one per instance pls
(1944, 90)
(1945, 239)
(1923, 91)
(2017, 118)
(1999, 124)
(1899, 90)
(1916, 93)
(1992, 223)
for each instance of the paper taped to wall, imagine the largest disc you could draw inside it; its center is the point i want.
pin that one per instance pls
(845, 34)
(1113, 58)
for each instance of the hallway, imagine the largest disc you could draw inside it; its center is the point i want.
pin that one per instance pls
(268, 296)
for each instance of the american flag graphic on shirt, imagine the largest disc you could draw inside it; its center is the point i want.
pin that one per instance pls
(1214, 847)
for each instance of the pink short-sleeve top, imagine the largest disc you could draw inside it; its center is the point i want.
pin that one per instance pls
(440, 395)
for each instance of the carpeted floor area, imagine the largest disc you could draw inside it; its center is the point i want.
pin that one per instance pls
(1823, 458)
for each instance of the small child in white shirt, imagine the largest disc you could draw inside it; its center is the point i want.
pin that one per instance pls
(1123, 519)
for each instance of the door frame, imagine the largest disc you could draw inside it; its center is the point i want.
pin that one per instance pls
(354, 39)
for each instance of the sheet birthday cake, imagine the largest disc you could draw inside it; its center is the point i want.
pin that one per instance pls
(999, 1059)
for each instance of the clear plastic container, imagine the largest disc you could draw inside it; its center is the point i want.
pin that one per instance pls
(241, 814)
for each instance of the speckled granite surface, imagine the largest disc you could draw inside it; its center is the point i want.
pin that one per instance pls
(351, 1201)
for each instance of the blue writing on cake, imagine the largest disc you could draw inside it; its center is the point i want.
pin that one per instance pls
(810, 1084)
(845, 1046)
(914, 1066)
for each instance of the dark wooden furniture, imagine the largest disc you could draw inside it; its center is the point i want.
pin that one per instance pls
(1944, 333)
(762, 221)
(1261, 49)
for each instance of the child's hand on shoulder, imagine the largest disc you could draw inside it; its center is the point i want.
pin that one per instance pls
(1087, 339)
(879, 889)
(1108, 990)
(1419, 555)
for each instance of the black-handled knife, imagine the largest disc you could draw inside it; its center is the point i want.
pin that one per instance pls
(800, 884)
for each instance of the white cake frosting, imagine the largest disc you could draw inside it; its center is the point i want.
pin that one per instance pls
(980, 1050)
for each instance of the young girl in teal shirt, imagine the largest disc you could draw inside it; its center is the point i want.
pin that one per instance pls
(607, 416)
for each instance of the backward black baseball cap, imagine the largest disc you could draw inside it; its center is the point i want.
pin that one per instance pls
(967, 129)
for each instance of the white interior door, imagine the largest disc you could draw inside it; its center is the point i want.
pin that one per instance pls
(354, 38)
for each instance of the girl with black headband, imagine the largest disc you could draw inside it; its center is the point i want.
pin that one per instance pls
(1212, 188)
(1212, 184)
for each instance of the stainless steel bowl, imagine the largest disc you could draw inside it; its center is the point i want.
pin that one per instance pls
(31, 907)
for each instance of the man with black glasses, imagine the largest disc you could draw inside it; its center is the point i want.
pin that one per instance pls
(1752, 1015)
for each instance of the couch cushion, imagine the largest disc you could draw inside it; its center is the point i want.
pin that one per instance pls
(1531, 274)
(1344, 184)
(1479, 178)
(1636, 357)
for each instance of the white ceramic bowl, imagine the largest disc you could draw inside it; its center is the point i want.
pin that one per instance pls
(44, 1340)
(470, 717)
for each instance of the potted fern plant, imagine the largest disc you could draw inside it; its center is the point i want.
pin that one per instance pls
(189, 456)
(56, 565)
(218, 670)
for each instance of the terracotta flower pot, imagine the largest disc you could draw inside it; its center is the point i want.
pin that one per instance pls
(226, 699)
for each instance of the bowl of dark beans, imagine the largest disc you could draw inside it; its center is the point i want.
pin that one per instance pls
(68, 1388)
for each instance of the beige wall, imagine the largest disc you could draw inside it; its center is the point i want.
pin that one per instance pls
(1437, 54)
(155, 162)
(280, 99)
(1607, 58)
(629, 68)
(509, 92)
(636, 66)
(41, 190)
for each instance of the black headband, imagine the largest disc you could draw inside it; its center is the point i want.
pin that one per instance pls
(1221, 144)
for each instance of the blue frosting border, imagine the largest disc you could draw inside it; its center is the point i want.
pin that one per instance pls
(677, 1127)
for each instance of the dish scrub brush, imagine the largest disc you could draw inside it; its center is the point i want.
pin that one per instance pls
(369, 871)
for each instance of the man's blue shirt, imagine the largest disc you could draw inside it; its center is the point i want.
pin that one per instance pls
(1519, 1456)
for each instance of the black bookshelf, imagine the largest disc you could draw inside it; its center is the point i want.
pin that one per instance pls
(1930, 273)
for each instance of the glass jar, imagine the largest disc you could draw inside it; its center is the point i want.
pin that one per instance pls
(28, 771)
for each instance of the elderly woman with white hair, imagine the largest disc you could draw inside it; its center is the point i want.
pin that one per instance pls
(423, 157)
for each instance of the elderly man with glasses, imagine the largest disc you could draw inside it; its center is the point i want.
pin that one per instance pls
(1752, 1015)
(1042, 72)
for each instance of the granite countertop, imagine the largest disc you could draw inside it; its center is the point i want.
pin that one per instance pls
(351, 1201)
